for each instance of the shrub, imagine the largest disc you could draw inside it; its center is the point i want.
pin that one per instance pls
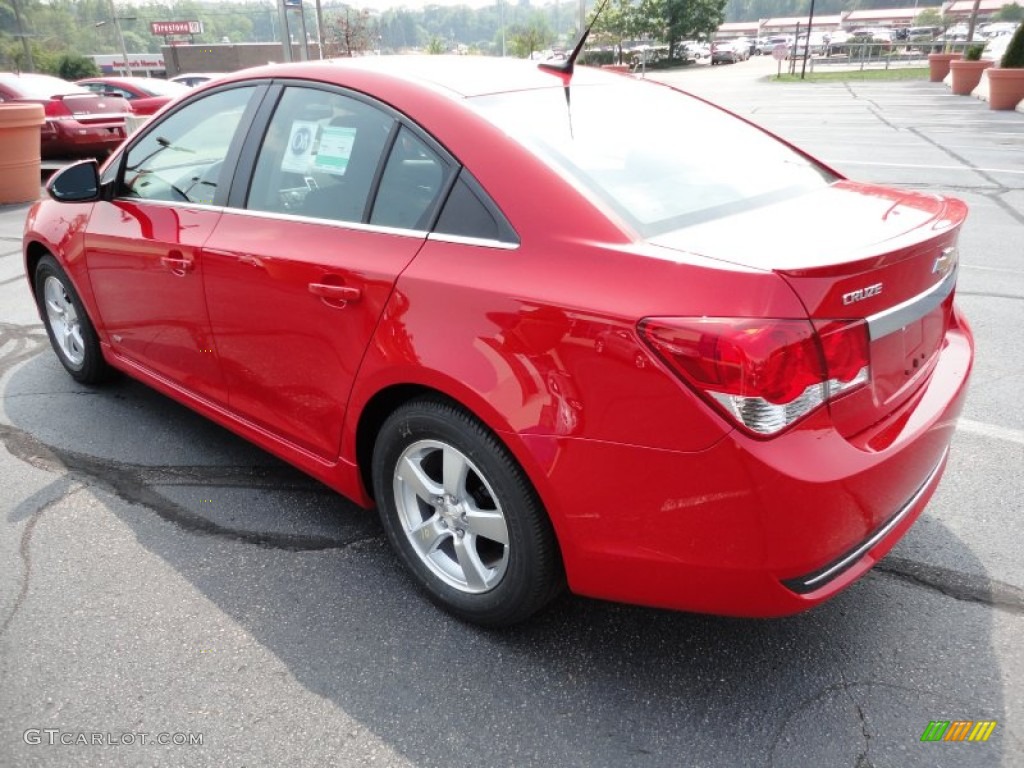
(1014, 56)
(72, 67)
(973, 53)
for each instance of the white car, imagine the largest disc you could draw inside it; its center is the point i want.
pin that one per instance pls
(192, 79)
(996, 48)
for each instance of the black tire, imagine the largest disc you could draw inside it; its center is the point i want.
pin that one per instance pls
(71, 332)
(507, 581)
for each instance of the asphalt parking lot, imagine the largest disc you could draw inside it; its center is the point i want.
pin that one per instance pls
(160, 576)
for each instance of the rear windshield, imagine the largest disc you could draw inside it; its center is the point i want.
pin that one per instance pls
(42, 87)
(660, 159)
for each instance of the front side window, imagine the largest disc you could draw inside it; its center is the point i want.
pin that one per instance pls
(181, 158)
(319, 156)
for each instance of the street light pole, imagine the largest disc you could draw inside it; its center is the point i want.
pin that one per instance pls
(120, 39)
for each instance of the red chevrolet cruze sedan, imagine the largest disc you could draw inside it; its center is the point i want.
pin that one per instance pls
(551, 347)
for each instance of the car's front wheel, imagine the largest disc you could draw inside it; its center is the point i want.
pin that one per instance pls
(71, 333)
(463, 516)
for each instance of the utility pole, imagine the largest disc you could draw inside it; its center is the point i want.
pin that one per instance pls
(286, 35)
(320, 28)
(29, 64)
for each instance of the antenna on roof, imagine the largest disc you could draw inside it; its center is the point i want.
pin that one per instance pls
(565, 67)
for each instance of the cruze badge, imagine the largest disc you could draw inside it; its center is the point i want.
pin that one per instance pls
(862, 293)
(945, 262)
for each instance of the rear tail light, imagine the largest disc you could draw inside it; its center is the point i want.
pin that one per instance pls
(55, 109)
(763, 374)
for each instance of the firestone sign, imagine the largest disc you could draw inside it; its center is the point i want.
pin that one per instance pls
(176, 27)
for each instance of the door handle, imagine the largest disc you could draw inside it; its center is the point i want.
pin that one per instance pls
(336, 293)
(178, 266)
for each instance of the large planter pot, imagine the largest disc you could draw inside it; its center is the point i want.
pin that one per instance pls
(19, 152)
(1005, 88)
(938, 65)
(967, 74)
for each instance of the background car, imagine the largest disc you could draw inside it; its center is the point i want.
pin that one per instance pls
(550, 353)
(145, 95)
(724, 53)
(78, 122)
(693, 50)
(767, 46)
(192, 79)
(995, 48)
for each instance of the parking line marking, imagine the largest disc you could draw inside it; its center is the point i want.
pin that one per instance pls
(991, 430)
(927, 167)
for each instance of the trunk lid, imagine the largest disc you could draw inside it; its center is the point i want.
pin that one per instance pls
(855, 252)
(95, 108)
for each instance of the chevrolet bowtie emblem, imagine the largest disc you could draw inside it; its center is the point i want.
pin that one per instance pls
(945, 262)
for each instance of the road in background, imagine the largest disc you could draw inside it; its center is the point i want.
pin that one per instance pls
(159, 575)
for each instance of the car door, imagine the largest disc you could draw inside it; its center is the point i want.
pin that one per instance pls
(301, 265)
(143, 246)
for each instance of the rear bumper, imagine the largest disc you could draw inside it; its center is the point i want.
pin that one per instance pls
(748, 527)
(70, 137)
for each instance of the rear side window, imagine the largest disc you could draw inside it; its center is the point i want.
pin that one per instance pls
(319, 156)
(469, 212)
(411, 185)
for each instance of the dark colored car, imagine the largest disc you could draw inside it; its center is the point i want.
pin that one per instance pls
(145, 95)
(725, 53)
(550, 350)
(78, 121)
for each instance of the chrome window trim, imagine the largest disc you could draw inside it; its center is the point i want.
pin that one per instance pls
(914, 308)
(481, 242)
(354, 225)
(809, 583)
(169, 203)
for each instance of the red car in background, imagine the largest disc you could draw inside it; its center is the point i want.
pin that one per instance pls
(78, 121)
(553, 351)
(145, 95)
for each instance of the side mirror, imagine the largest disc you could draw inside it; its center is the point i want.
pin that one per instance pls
(78, 183)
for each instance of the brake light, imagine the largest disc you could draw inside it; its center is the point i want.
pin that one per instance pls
(764, 374)
(55, 109)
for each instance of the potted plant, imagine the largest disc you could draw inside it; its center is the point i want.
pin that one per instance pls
(938, 65)
(967, 71)
(1006, 82)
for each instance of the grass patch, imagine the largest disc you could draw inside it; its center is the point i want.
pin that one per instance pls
(820, 76)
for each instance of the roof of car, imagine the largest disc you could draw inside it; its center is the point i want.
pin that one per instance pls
(464, 76)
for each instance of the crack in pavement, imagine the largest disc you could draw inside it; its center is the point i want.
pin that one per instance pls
(862, 759)
(67, 489)
(955, 584)
(1000, 188)
(131, 484)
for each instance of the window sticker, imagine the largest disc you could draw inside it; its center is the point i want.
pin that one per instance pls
(298, 156)
(335, 149)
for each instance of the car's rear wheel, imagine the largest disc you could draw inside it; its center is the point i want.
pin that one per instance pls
(71, 333)
(463, 516)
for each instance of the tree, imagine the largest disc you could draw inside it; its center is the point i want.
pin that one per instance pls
(622, 20)
(683, 19)
(1011, 12)
(74, 67)
(523, 40)
(436, 46)
(348, 33)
